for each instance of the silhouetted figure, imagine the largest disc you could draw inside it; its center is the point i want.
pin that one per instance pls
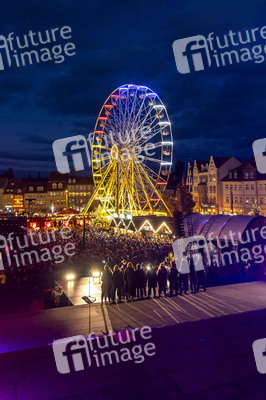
(118, 283)
(193, 276)
(107, 284)
(129, 278)
(162, 279)
(184, 274)
(173, 279)
(140, 281)
(152, 281)
(200, 271)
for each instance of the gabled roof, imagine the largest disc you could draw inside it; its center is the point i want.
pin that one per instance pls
(219, 161)
(248, 166)
(57, 177)
(15, 186)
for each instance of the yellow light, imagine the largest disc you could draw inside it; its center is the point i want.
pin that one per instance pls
(146, 222)
(95, 274)
(166, 226)
(70, 277)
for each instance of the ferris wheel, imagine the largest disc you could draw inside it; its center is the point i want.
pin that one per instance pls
(132, 152)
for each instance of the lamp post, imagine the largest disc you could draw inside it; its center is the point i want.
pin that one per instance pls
(84, 231)
(66, 192)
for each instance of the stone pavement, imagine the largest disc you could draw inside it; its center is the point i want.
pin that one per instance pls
(36, 329)
(207, 358)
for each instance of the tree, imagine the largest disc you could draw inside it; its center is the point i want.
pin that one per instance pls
(255, 209)
(181, 201)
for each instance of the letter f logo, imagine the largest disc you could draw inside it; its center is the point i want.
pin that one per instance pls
(180, 247)
(191, 54)
(4, 45)
(71, 354)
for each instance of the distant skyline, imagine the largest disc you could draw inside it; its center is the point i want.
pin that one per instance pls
(217, 112)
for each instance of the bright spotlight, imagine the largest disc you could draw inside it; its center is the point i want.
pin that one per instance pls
(70, 277)
(148, 267)
(96, 274)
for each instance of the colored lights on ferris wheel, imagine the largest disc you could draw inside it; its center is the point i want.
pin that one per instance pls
(164, 123)
(166, 163)
(167, 143)
(158, 106)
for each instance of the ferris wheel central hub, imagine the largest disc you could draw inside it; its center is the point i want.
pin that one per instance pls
(114, 152)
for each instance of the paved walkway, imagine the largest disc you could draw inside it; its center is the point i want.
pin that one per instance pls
(37, 329)
(202, 360)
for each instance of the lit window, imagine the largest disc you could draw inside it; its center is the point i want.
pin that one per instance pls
(246, 175)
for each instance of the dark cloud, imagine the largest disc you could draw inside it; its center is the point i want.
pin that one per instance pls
(217, 111)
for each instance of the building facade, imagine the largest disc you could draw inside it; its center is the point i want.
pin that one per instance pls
(204, 182)
(243, 189)
(80, 190)
(42, 195)
(35, 198)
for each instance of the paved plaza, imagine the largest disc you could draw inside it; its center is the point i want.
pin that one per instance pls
(203, 349)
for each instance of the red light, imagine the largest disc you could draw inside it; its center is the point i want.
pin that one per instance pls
(81, 222)
(48, 224)
(66, 223)
(33, 225)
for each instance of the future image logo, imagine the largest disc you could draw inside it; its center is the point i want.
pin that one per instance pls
(78, 353)
(191, 54)
(42, 46)
(197, 53)
(71, 154)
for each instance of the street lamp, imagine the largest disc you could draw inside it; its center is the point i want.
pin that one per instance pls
(66, 192)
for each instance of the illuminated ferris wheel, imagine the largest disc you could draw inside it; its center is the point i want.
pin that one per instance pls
(132, 152)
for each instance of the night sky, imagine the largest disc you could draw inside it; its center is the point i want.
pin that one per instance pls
(216, 112)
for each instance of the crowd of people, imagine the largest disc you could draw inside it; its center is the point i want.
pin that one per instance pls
(126, 282)
(97, 247)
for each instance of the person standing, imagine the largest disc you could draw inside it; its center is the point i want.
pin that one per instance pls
(118, 283)
(162, 279)
(192, 276)
(107, 284)
(129, 278)
(152, 281)
(184, 273)
(173, 279)
(140, 279)
(199, 267)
